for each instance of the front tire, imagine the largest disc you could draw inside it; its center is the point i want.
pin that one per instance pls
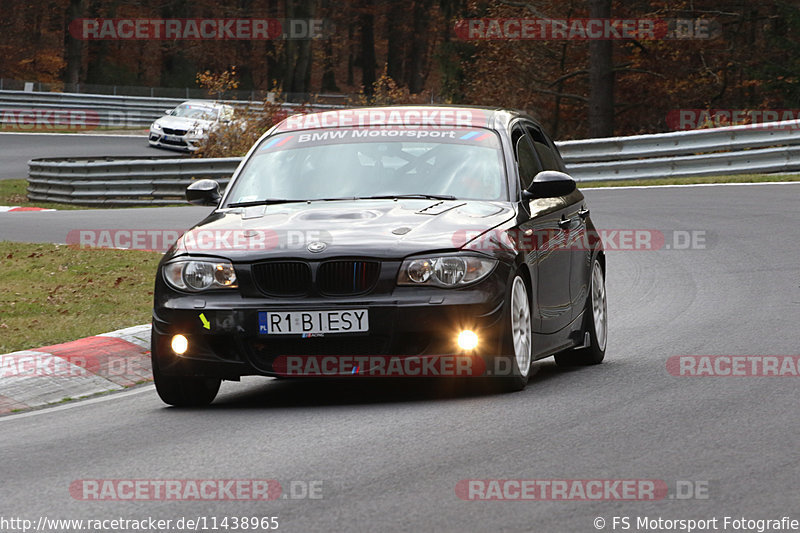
(182, 391)
(518, 339)
(596, 318)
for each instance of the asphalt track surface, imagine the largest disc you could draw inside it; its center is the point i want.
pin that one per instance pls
(16, 149)
(390, 454)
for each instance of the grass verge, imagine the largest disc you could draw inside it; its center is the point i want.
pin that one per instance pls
(51, 294)
(738, 178)
(15, 192)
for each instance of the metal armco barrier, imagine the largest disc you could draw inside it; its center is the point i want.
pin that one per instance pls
(773, 147)
(40, 111)
(113, 182)
(750, 149)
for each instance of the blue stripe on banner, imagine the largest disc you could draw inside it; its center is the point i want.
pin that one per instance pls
(469, 135)
(269, 144)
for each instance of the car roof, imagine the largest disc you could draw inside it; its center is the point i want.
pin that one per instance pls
(404, 115)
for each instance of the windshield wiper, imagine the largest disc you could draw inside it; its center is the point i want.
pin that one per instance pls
(414, 195)
(266, 201)
(273, 201)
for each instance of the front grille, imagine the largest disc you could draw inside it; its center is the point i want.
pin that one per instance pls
(170, 131)
(338, 278)
(285, 278)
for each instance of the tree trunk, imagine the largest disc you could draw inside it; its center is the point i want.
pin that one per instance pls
(397, 38)
(298, 51)
(601, 77)
(72, 46)
(351, 55)
(418, 55)
(366, 25)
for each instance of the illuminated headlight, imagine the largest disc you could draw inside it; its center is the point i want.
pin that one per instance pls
(200, 275)
(446, 271)
(156, 126)
(197, 131)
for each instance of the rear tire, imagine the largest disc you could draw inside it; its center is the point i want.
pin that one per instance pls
(596, 320)
(182, 391)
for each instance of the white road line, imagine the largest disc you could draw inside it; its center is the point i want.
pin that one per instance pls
(78, 403)
(685, 185)
(135, 136)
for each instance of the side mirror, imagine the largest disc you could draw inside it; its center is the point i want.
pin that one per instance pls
(203, 192)
(550, 184)
(169, 111)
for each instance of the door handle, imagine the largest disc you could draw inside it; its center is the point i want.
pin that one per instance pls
(564, 222)
(583, 213)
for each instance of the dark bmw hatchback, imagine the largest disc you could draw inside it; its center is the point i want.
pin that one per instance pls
(396, 241)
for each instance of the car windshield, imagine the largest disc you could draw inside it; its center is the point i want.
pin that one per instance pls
(195, 111)
(367, 162)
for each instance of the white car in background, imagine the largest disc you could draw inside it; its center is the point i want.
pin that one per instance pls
(185, 127)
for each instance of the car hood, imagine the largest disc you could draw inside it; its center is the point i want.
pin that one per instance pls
(182, 123)
(374, 228)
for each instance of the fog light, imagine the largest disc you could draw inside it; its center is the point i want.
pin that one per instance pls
(180, 344)
(467, 340)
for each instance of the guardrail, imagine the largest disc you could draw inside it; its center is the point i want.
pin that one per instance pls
(764, 148)
(185, 93)
(80, 111)
(114, 182)
(752, 148)
(84, 111)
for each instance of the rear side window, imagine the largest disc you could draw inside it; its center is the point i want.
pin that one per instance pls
(528, 162)
(543, 148)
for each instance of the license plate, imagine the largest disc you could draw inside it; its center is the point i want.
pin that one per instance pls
(172, 138)
(312, 322)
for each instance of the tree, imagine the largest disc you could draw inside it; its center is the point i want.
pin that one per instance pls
(601, 76)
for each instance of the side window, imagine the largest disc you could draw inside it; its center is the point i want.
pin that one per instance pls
(527, 160)
(546, 154)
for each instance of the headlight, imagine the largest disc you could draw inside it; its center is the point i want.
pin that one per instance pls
(446, 271)
(196, 276)
(156, 126)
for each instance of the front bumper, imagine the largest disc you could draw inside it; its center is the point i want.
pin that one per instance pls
(410, 322)
(175, 142)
